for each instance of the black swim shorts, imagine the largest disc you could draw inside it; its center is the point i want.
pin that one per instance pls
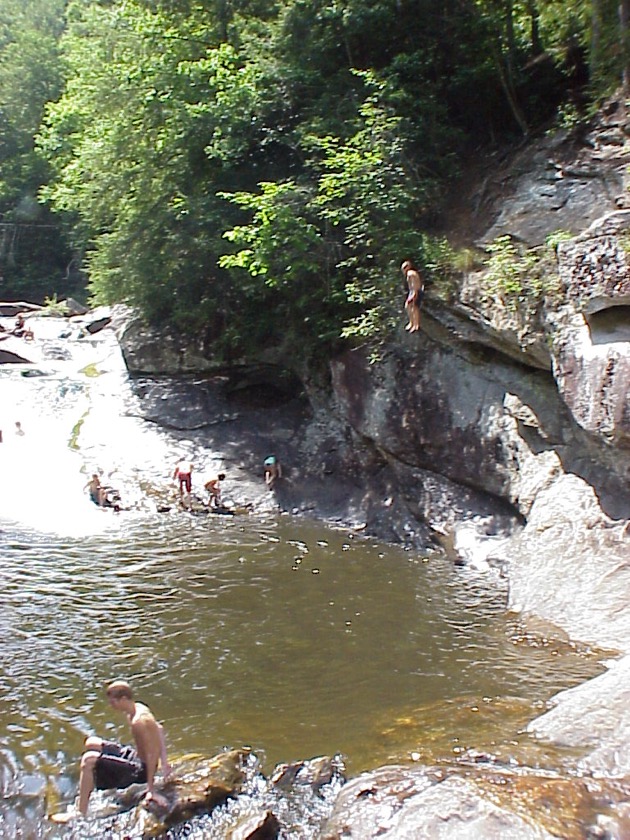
(118, 767)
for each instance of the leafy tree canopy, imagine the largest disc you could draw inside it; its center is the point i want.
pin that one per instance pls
(255, 170)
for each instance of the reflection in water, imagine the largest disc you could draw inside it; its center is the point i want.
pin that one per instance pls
(271, 632)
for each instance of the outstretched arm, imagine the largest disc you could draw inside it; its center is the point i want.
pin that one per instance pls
(166, 767)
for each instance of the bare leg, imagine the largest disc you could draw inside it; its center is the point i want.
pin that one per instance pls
(415, 318)
(409, 310)
(93, 747)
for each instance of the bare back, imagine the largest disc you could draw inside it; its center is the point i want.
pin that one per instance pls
(146, 733)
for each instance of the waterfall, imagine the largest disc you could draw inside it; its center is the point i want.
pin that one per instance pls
(77, 412)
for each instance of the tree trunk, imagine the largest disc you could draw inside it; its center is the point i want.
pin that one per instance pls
(535, 27)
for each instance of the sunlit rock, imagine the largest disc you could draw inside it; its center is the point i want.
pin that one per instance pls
(591, 343)
(313, 773)
(197, 787)
(402, 803)
(594, 717)
(262, 826)
(570, 565)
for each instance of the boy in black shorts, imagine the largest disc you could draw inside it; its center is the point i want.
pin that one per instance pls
(106, 765)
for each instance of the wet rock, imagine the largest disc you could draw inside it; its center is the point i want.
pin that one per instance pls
(98, 325)
(263, 826)
(313, 773)
(595, 717)
(402, 803)
(198, 786)
(9, 358)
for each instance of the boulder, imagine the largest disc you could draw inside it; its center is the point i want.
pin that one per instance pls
(399, 802)
(9, 358)
(595, 718)
(73, 307)
(570, 565)
(197, 787)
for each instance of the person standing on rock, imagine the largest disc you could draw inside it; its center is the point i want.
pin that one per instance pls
(273, 470)
(183, 474)
(415, 293)
(106, 764)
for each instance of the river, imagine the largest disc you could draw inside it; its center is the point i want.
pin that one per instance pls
(262, 629)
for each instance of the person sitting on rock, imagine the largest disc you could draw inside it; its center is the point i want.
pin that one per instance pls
(106, 764)
(20, 330)
(96, 490)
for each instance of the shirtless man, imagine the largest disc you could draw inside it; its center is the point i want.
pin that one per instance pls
(106, 764)
(96, 490)
(415, 294)
(213, 486)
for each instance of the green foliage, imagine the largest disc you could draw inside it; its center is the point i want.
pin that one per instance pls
(54, 307)
(331, 128)
(553, 239)
(519, 277)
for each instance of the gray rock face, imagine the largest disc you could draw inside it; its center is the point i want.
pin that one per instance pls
(571, 565)
(562, 183)
(591, 340)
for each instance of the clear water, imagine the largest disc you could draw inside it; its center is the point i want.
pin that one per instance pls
(261, 630)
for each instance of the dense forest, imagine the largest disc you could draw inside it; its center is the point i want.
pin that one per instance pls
(253, 171)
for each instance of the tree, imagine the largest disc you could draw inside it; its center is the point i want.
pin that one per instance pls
(33, 255)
